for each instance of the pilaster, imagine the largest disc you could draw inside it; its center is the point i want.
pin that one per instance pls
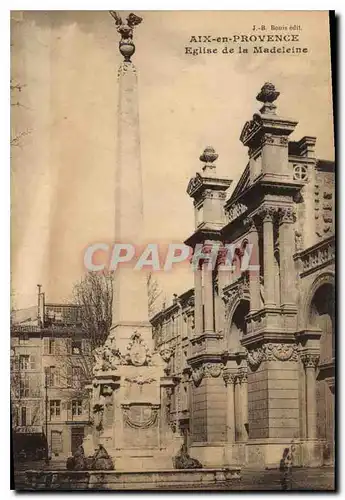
(267, 213)
(287, 268)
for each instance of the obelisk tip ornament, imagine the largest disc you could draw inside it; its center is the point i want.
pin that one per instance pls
(126, 45)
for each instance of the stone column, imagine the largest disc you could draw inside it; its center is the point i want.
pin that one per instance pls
(267, 222)
(244, 403)
(286, 243)
(229, 379)
(310, 362)
(208, 297)
(199, 321)
(238, 410)
(254, 275)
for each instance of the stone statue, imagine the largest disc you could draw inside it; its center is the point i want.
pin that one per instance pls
(126, 45)
(126, 30)
(100, 460)
(184, 461)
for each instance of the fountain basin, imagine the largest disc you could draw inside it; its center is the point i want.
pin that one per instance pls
(127, 480)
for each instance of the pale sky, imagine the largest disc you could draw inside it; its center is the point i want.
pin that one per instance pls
(63, 173)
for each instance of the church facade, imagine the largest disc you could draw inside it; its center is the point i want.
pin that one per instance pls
(252, 349)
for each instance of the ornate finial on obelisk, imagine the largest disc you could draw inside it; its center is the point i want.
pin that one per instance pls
(126, 45)
(267, 95)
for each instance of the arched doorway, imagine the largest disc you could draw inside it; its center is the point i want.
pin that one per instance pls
(237, 330)
(322, 316)
(238, 326)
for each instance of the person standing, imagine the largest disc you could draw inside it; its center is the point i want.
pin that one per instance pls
(285, 468)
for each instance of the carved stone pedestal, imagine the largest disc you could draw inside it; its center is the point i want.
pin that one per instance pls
(130, 407)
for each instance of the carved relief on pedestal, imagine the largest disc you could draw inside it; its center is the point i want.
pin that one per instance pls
(107, 357)
(138, 353)
(140, 380)
(140, 416)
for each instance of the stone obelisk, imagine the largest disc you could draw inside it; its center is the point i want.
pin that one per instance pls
(130, 304)
(131, 385)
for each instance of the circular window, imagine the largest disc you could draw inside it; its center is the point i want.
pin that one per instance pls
(300, 173)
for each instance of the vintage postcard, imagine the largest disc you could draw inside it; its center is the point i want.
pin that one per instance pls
(173, 250)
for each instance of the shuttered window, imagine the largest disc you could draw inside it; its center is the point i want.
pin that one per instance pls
(55, 409)
(33, 362)
(24, 387)
(77, 407)
(24, 362)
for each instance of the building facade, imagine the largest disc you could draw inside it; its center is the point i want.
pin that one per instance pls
(50, 363)
(252, 346)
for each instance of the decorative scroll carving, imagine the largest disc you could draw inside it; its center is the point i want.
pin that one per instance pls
(236, 210)
(281, 352)
(272, 352)
(140, 416)
(140, 380)
(138, 352)
(250, 129)
(310, 360)
(194, 184)
(213, 369)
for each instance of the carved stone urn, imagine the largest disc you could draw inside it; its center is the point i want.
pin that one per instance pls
(127, 49)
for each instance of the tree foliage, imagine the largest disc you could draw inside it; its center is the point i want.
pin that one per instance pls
(94, 295)
(153, 293)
